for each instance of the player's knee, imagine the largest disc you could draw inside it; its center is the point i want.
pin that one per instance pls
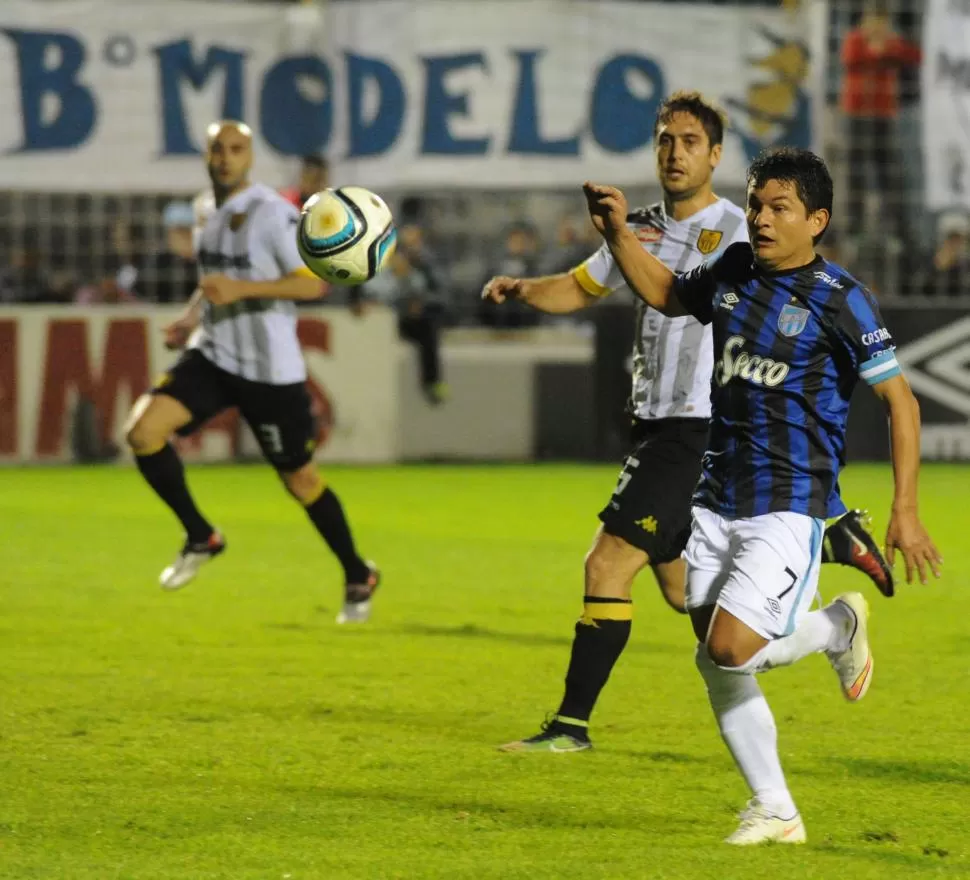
(143, 436)
(611, 566)
(726, 653)
(305, 484)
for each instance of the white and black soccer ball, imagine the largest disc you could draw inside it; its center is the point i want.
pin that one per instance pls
(346, 235)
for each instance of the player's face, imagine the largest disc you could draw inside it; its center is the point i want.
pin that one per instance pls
(685, 158)
(229, 158)
(781, 230)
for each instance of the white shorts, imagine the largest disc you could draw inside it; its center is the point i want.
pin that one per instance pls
(763, 569)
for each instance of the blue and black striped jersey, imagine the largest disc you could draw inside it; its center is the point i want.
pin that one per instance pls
(789, 348)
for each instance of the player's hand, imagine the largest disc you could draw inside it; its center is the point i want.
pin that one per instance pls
(607, 208)
(220, 290)
(501, 288)
(906, 534)
(178, 332)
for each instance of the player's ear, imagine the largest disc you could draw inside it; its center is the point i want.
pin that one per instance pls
(716, 155)
(819, 221)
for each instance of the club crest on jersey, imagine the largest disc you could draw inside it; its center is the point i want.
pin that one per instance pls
(708, 240)
(792, 320)
(236, 221)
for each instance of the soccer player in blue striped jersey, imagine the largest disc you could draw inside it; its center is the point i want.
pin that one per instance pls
(792, 335)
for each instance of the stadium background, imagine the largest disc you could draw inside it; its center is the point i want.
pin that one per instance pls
(98, 175)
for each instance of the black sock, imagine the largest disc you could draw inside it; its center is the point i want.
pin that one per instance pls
(601, 635)
(327, 515)
(163, 471)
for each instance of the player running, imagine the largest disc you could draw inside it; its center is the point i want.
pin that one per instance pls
(243, 351)
(792, 335)
(647, 520)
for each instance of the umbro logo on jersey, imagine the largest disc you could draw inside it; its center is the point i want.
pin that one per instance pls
(729, 301)
(751, 367)
(830, 280)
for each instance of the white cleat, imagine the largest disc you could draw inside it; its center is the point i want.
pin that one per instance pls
(758, 825)
(357, 598)
(854, 664)
(190, 559)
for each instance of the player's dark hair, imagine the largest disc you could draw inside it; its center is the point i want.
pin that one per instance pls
(315, 160)
(707, 113)
(804, 170)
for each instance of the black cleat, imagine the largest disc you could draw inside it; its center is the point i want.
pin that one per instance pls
(848, 542)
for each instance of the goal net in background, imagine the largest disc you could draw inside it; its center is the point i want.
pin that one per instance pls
(482, 137)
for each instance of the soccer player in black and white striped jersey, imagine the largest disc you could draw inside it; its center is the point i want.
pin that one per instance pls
(241, 331)
(647, 520)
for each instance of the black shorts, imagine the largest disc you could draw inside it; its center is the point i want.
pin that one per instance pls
(650, 507)
(280, 416)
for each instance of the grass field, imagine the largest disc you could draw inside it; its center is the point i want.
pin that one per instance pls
(232, 730)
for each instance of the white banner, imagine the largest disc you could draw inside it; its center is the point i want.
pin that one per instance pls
(946, 104)
(398, 93)
(51, 358)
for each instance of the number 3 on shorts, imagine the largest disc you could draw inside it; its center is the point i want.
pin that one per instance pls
(271, 439)
(630, 464)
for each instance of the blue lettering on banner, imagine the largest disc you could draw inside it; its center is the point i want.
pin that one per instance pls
(177, 64)
(440, 105)
(524, 136)
(373, 136)
(297, 104)
(77, 111)
(621, 121)
(291, 123)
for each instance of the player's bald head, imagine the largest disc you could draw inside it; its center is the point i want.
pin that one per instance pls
(215, 130)
(228, 155)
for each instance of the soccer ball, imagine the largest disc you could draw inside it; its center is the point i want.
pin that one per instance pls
(346, 235)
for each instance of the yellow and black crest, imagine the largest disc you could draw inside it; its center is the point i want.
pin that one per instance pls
(708, 240)
(236, 221)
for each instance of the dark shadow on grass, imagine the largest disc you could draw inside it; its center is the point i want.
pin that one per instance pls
(540, 814)
(661, 757)
(880, 852)
(476, 632)
(293, 627)
(914, 772)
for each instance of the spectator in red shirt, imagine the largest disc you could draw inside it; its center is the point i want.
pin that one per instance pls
(314, 174)
(873, 56)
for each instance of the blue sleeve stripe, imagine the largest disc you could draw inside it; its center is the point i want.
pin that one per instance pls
(880, 368)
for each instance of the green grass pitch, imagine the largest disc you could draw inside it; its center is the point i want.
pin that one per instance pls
(232, 730)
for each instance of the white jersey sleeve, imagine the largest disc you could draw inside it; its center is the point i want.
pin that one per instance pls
(599, 275)
(281, 219)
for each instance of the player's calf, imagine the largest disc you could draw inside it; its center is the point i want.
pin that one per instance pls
(325, 511)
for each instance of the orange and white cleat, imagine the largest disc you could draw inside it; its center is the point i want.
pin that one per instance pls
(854, 664)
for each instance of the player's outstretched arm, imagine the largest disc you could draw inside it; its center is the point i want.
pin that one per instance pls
(646, 276)
(906, 532)
(552, 294)
(297, 285)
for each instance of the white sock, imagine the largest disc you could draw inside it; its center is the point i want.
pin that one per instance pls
(748, 729)
(828, 629)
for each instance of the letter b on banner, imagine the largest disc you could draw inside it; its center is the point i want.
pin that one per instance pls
(49, 64)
